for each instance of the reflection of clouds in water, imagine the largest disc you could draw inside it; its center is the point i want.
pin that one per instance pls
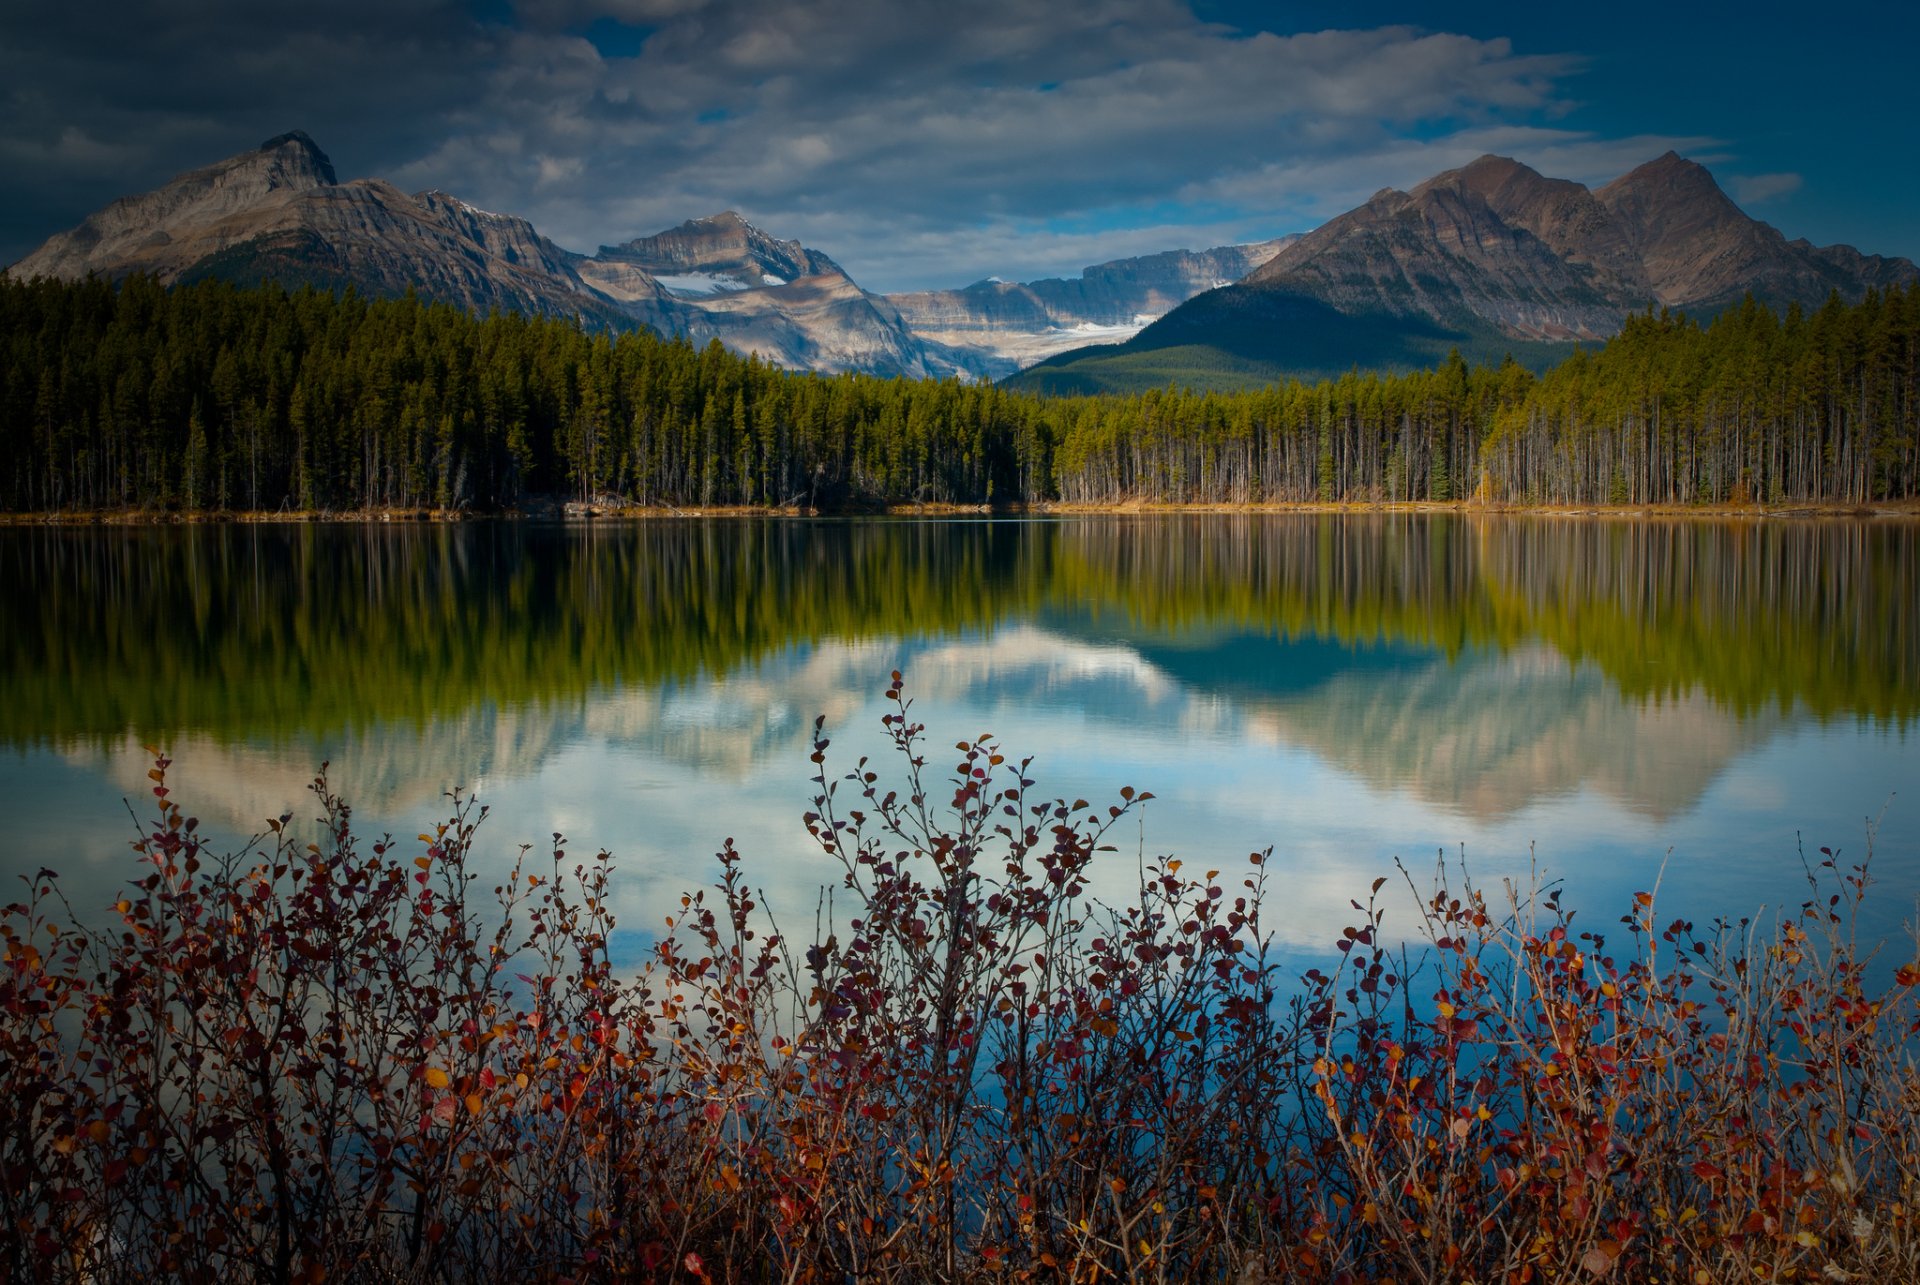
(1340, 775)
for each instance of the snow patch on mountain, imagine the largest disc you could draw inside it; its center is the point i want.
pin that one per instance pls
(700, 283)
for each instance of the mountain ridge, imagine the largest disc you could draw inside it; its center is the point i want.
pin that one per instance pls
(1491, 257)
(279, 212)
(1017, 320)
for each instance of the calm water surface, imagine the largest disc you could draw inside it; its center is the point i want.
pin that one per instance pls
(1611, 702)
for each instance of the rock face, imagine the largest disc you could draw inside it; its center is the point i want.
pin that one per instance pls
(1022, 322)
(1443, 252)
(1493, 254)
(722, 278)
(162, 231)
(279, 213)
(1539, 258)
(720, 254)
(1701, 251)
(371, 235)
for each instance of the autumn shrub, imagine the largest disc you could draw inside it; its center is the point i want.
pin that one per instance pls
(332, 1059)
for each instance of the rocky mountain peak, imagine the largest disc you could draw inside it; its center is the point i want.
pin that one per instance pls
(722, 252)
(139, 233)
(1700, 248)
(1487, 166)
(1667, 180)
(296, 150)
(1498, 180)
(1561, 214)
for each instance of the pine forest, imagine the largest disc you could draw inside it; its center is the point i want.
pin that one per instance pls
(213, 397)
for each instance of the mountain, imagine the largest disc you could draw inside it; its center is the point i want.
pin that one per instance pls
(1018, 323)
(278, 212)
(723, 278)
(197, 213)
(1702, 252)
(721, 254)
(1492, 258)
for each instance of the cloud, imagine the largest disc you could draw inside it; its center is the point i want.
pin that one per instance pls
(97, 101)
(1756, 189)
(868, 126)
(920, 143)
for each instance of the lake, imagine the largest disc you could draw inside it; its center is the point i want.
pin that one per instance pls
(1611, 702)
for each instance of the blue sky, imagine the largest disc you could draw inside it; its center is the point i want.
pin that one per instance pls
(929, 143)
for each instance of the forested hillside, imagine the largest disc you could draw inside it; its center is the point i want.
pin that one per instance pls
(215, 397)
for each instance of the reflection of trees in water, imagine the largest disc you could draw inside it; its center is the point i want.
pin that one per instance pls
(248, 632)
(1753, 614)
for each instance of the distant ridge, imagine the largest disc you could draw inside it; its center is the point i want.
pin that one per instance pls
(1019, 322)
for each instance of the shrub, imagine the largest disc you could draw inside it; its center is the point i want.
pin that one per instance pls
(310, 1060)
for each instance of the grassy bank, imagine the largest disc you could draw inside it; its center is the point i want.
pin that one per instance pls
(344, 1060)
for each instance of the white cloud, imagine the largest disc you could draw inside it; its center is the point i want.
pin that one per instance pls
(918, 142)
(914, 123)
(1756, 189)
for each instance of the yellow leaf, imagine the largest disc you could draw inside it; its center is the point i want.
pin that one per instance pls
(437, 1079)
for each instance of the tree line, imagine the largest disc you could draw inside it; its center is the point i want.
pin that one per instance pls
(216, 397)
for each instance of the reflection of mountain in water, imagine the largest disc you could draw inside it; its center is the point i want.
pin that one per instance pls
(1475, 663)
(1490, 734)
(1483, 734)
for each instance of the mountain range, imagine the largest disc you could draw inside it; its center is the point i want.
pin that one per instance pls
(1491, 258)
(279, 212)
(1020, 322)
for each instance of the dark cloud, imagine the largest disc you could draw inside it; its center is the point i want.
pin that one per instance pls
(100, 100)
(919, 142)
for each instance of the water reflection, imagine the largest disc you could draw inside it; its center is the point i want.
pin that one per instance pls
(1345, 688)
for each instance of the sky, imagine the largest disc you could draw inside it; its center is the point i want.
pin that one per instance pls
(930, 143)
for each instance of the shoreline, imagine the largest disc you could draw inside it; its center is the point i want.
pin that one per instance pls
(575, 512)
